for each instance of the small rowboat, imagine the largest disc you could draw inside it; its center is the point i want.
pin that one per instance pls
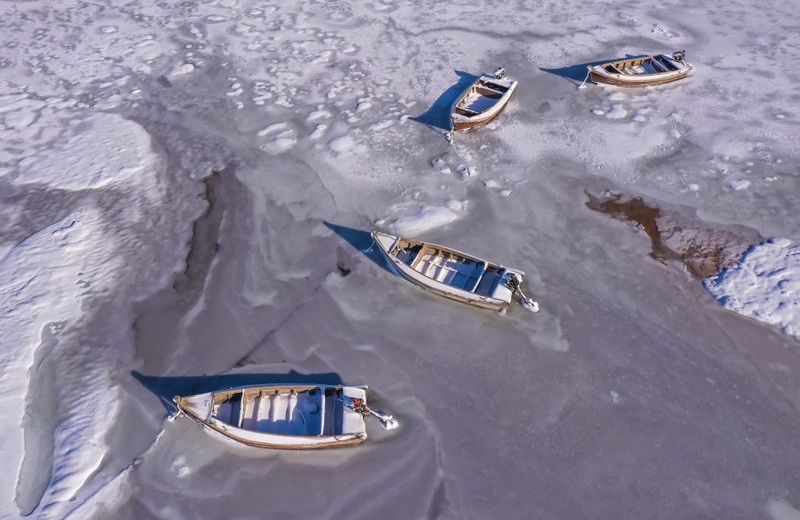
(291, 417)
(453, 274)
(483, 100)
(647, 70)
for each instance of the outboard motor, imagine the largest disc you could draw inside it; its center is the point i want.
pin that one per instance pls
(500, 73)
(360, 407)
(679, 55)
(514, 282)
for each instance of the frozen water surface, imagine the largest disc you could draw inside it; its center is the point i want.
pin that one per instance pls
(187, 190)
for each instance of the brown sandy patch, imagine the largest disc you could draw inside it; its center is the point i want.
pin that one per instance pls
(705, 249)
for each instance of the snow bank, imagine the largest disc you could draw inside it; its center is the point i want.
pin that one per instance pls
(88, 249)
(765, 285)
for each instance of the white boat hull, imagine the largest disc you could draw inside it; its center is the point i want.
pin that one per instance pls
(289, 417)
(482, 102)
(639, 72)
(451, 277)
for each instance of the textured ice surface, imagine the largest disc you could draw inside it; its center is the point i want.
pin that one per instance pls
(130, 273)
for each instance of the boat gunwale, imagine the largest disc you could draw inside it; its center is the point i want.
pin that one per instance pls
(466, 256)
(289, 386)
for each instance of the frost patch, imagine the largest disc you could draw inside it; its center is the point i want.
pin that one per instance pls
(740, 185)
(429, 217)
(618, 112)
(277, 138)
(778, 509)
(345, 145)
(180, 70)
(179, 467)
(317, 115)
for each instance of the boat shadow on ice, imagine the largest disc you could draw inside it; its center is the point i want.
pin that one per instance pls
(361, 240)
(577, 73)
(166, 388)
(439, 114)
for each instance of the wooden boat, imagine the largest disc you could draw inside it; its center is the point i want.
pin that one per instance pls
(483, 100)
(292, 417)
(453, 274)
(646, 70)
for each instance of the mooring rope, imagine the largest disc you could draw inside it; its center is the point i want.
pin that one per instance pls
(588, 73)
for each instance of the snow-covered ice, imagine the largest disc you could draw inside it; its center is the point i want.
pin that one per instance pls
(187, 190)
(92, 196)
(765, 285)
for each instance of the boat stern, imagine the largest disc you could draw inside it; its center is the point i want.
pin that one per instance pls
(504, 291)
(352, 421)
